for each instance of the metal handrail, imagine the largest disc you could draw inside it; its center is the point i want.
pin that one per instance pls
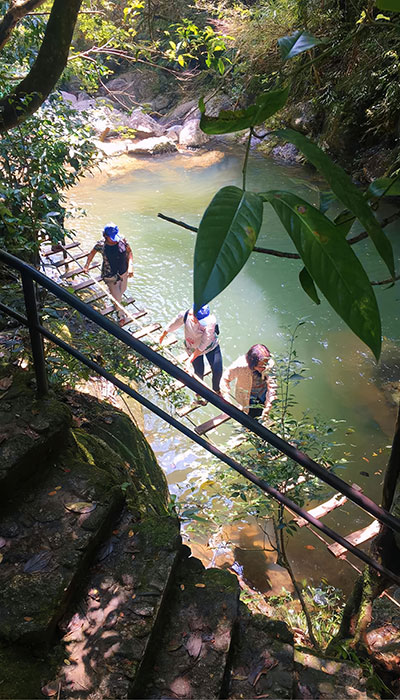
(37, 331)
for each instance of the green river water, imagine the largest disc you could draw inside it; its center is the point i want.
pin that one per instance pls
(342, 378)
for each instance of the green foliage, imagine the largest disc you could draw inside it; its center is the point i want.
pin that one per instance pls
(229, 121)
(325, 605)
(308, 285)
(391, 5)
(223, 239)
(332, 264)
(41, 160)
(227, 234)
(345, 191)
(297, 43)
(188, 42)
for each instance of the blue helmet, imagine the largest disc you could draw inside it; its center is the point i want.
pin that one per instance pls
(111, 231)
(202, 313)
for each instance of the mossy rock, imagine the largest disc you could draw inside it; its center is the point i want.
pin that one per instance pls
(24, 671)
(33, 430)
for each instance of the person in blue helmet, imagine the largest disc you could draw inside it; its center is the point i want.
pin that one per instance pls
(117, 264)
(201, 338)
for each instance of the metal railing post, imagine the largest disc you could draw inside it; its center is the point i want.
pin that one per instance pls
(35, 335)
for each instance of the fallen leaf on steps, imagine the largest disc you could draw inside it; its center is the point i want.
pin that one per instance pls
(5, 383)
(194, 644)
(80, 507)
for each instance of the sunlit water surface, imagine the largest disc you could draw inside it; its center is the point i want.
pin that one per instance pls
(342, 379)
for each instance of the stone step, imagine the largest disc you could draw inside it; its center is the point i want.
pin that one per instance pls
(193, 651)
(114, 628)
(31, 430)
(262, 659)
(49, 532)
(325, 679)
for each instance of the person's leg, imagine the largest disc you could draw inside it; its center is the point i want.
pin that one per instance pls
(215, 359)
(256, 405)
(255, 412)
(198, 366)
(116, 290)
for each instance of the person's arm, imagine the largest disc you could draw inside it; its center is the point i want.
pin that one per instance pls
(228, 376)
(130, 260)
(89, 259)
(270, 395)
(173, 326)
(195, 353)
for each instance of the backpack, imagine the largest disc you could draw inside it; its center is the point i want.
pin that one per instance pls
(185, 319)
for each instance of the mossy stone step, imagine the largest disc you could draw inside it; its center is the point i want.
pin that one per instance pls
(49, 533)
(262, 660)
(191, 661)
(111, 632)
(325, 679)
(32, 431)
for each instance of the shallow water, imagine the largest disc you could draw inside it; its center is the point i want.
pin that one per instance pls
(342, 379)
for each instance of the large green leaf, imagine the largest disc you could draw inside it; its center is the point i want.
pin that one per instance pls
(299, 41)
(308, 285)
(229, 121)
(332, 264)
(391, 5)
(344, 221)
(226, 236)
(345, 190)
(388, 185)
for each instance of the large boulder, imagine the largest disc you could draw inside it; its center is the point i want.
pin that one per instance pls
(304, 117)
(179, 113)
(144, 124)
(191, 134)
(140, 86)
(187, 111)
(152, 146)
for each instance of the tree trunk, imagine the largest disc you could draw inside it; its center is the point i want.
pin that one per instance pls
(50, 62)
(16, 11)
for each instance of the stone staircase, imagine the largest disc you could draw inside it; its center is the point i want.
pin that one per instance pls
(98, 597)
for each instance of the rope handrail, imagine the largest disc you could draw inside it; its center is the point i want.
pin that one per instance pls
(246, 421)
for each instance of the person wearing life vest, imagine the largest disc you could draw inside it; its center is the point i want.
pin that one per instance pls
(251, 376)
(201, 338)
(117, 264)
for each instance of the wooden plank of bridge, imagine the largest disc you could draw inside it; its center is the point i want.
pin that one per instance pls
(108, 309)
(84, 285)
(146, 330)
(356, 538)
(77, 271)
(323, 509)
(69, 246)
(171, 340)
(133, 317)
(70, 259)
(211, 424)
(96, 297)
